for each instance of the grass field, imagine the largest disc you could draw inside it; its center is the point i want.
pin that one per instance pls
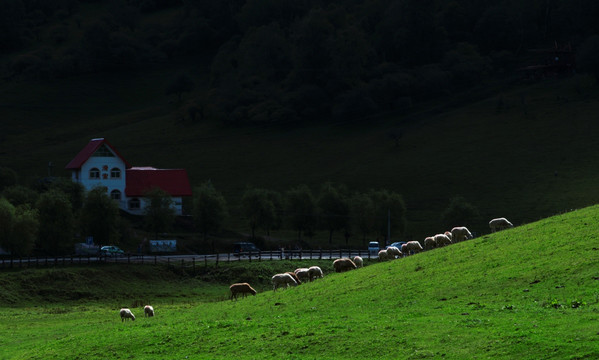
(531, 292)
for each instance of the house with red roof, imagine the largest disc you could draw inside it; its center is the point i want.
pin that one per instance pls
(100, 164)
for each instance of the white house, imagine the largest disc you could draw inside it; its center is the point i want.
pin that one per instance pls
(99, 164)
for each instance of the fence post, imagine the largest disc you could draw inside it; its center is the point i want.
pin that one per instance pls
(128, 259)
(259, 255)
(155, 259)
(216, 265)
(228, 257)
(193, 264)
(182, 264)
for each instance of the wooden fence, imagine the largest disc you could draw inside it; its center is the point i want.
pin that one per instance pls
(184, 261)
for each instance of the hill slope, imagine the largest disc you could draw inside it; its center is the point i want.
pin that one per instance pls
(524, 154)
(526, 293)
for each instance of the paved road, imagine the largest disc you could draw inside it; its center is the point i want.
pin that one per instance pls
(181, 259)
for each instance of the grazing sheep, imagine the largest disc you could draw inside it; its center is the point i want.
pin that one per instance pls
(285, 280)
(126, 314)
(344, 264)
(315, 272)
(383, 255)
(404, 249)
(442, 240)
(303, 274)
(148, 311)
(241, 288)
(449, 235)
(413, 246)
(429, 243)
(460, 233)
(499, 224)
(393, 251)
(294, 276)
(358, 261)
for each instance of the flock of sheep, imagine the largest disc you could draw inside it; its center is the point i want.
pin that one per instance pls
(300, 275)
(127, 314)
(294, 278)
(457, 234)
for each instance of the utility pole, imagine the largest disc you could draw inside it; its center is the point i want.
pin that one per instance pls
(388, 226)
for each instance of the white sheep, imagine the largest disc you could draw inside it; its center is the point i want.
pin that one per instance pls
(126, 314)
(393, 251)
(442, 240)
(404, 250)
(429, 243)
(383, 255)
(359, 261)
(303, 274)
(449, 235)
(315, 272)
(460, 233)
(499, 224)
(294, 276)
(148, 311)
(344, 264)
(241, 288)
(413, 246)
(285, 280)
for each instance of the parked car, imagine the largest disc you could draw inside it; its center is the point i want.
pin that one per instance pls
(245, 248)
(373, 248)
(111, 250)
(397, 244)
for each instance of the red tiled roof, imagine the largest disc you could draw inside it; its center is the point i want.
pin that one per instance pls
(89, 150)
(141, 179)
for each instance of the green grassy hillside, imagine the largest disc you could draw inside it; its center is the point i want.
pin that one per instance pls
(528, 293)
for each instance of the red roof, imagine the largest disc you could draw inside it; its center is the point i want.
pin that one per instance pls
(89, 150)
(141, 179)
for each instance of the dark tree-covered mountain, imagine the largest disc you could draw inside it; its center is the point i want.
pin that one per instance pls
(283, 61)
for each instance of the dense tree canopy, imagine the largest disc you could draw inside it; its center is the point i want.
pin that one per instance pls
(297, 61)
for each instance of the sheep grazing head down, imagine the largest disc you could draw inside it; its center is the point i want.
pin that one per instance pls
(126, 314)
(148, 311)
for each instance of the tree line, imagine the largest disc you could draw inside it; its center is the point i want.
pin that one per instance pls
(50, 217)
(280, 61)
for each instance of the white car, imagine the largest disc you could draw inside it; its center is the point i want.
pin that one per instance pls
(373, 248)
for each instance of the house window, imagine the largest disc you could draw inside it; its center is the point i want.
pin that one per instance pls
(115, 173)
(103, 151)
(134, 204)
(115, 195)
(94, 173)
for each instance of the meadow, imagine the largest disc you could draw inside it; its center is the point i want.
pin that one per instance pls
(530, 292)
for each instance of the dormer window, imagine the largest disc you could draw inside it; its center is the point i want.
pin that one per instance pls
(94, 173)
(115, 173)
(103, 151)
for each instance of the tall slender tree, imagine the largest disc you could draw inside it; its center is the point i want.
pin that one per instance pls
(57, 222)
(209, 210)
